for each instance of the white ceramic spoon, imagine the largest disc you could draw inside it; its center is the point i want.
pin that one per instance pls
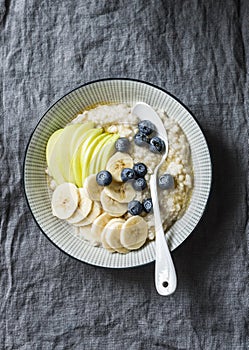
(165, 275)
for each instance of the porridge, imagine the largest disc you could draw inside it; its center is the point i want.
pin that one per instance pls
(99, 169)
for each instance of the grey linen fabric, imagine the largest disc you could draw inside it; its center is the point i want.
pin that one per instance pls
(197, 50)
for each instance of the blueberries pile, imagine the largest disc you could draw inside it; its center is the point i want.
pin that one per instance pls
(165, 182)
(135, 207)
(145, 129)
(136, 176)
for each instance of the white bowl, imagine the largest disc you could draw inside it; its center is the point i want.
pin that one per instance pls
(64, 110)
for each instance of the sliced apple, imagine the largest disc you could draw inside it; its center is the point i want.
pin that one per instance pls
(59, 158)
(79, 136)
(78, 139)
(50, 145)
(106, 136)
(105, 153)
(86, 151)
(98, 148)
(77, 151)
(88, 155)
(76, 162)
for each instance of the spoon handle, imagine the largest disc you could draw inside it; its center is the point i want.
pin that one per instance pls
(165, 274)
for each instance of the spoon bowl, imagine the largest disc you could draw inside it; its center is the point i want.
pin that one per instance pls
(165, 274)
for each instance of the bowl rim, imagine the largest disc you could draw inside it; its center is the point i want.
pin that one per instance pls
(94, 82)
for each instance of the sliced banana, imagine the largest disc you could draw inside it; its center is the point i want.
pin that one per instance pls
(104, 242)
(134, 233)
(65, 200)
(112, 235)
(86, 234)
(84, 208)
(76, 217)
(94, 213)
(98, 226)
(111, 206)
(117, 163)
(92, 188)
(120, 192)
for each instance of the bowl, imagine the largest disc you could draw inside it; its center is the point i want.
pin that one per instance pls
(63, 111)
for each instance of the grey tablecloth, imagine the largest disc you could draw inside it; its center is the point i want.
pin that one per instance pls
(197, 50)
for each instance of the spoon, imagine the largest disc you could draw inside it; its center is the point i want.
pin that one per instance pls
(165, 274)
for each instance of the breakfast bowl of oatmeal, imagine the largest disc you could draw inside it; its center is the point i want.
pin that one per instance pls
(88, 166)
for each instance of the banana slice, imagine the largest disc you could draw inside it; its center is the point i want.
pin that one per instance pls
(98, 226)
(104, 243)
(103, 239)
(85, 233)
(76, 217)
(120, 192)
(84, 208)
(111, 206)
(65, 200)
(117, 163)
(94, 213)
(134, 233)
(112, 235)
(92, 188)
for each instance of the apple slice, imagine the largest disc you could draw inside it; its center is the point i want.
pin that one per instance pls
(79, 136)
(95, 154)
(75, 165)
(50, 145)
(89, 154)
(76, 162)
(86, 151)
(105, 154)
(61, 154)
(59, 159)
(108, 151)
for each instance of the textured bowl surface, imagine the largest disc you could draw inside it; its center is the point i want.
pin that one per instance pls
(63, 111)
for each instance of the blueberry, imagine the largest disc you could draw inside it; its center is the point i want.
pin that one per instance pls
(104, 178)
(135, 207)
(139, 184)
(146, 127)
(140, 169)
(122, 144)
(166, 182)
(140, 139)
(157, 145)
(127, 174)
(147, 205)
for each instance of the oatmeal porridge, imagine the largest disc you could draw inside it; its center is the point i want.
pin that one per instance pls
(99, 168)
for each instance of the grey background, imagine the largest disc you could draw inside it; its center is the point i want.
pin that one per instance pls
(197, 50)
